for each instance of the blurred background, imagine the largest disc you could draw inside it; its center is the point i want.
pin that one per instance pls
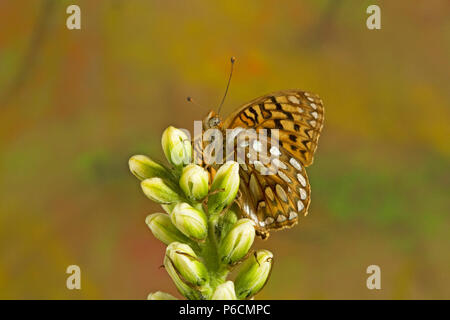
(76, 104)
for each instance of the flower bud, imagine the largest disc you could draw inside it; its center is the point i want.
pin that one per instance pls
(190, 221)
(185, 262)
(143, 168)
(194, 182)
(253, 274)
(163, 229)
(160, 190)
(225, 185)
(224, 291)
(182, 287)
(176, 146)
(158, 295)
(237, 242)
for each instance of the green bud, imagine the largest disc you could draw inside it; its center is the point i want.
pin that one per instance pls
(185, 289)
(163, 229)
(158, 295)
(226, 185)
(176, 146)
(194, 182)
(224, 291)
(237, 242)
(190, 221)
(143, 168)
(186, 263)
(253, 274)
(160, 190)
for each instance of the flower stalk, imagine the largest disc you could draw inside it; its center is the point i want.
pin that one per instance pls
(204, 235)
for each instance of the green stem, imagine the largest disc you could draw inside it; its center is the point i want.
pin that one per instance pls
(210, 254)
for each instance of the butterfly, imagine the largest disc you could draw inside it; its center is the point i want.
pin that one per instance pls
(275, 201)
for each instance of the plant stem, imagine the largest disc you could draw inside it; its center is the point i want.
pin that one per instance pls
(217, 271)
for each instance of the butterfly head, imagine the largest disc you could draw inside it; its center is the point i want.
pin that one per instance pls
(212, 121)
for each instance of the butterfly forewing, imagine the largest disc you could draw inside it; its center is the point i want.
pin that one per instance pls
(298, 115)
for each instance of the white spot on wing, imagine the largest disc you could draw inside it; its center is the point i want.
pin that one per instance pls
(300, 206)
(302, 193)
(284, 176)
(281, 218)
(292, 215)
(257, 146)
(301, 179)
(295, 164)
(294, 99)
(269, 220)
(260, 167)
(275, 151)
(279, 164)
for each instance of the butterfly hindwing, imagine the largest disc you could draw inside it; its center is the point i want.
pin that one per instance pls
(274, 193)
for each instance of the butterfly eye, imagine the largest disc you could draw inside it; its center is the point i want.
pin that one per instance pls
(214, 122)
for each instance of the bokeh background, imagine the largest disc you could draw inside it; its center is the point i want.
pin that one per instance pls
(75, 105)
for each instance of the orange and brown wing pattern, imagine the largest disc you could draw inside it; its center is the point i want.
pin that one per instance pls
(274, 194)
(298, 115)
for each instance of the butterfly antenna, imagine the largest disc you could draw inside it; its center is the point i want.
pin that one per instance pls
(189, 99)
(233, 59)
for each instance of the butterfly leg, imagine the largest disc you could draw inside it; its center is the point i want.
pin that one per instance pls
(235, 201)
(256, 258)
(251, 252)
(205, 201)
(238, 196)
(232, 202)
(187, 255)
(205, 206)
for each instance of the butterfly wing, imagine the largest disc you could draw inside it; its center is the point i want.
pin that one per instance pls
(276, 194)
(274, 201)
(299, 116)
